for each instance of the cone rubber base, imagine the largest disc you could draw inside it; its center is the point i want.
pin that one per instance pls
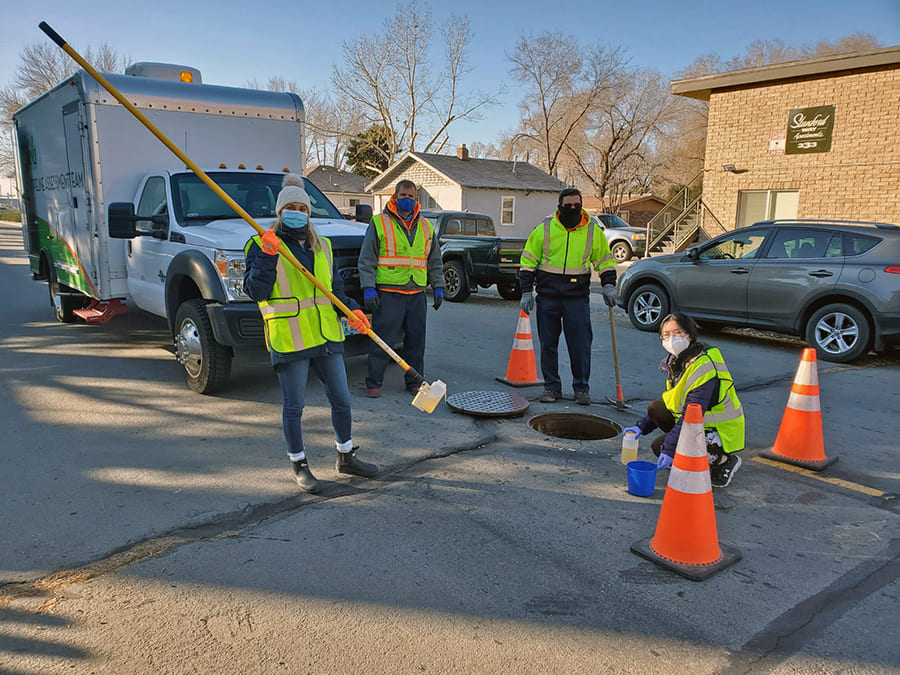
(769, 453)
(518, 384)
(730, 555)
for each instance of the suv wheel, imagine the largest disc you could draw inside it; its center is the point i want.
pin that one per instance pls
(839, 333)
(621, 251)
(647, 307)
(456, 288)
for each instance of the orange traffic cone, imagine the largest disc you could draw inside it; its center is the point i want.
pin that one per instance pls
(686, 540)
(521, 371)
(799, 441)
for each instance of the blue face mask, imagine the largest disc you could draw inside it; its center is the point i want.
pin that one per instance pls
(294, 220)
(406, 204)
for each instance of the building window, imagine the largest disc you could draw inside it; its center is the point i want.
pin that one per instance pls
(353, 202)
(756, 205)
(508, 210)
(426, 201)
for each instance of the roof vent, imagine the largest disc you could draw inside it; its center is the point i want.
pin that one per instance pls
(164, 71)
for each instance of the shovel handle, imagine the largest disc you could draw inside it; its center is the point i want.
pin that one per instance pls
(224, 196)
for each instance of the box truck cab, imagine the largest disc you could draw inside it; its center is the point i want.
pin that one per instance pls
(110, 219)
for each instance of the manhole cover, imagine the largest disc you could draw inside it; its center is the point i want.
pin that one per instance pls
(487, 403)
(575, 426)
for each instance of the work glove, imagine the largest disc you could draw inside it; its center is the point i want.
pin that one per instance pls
(527, 301)
(361, 323)
(609, 295)
(270, 242)
(664, 461)
(438, 297)
(635, 430)
(372, 301)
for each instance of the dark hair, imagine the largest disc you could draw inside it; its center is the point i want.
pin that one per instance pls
(687, 324)
(568, 192)
(403, 184)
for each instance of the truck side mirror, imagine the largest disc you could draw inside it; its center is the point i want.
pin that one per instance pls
(121, 221)
(363, 213)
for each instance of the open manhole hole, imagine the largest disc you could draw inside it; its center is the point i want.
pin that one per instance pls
(575, 426)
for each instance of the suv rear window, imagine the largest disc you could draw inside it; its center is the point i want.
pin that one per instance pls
(857, 244)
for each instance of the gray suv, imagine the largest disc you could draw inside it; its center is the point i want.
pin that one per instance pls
(834, 283)
(624, 241)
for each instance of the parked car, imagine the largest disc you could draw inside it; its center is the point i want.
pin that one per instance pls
(624, 241)
(834, 283)
(475, 256)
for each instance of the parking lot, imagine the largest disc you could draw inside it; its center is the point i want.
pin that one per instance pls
(150, 529)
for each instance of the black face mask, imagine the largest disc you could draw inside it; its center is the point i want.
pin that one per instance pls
(570, 216)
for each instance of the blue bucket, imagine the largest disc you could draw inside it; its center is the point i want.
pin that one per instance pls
(641, 478)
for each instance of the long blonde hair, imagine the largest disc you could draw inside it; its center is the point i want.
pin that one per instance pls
(312, 235)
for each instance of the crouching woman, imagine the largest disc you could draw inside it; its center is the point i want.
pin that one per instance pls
(695, 373)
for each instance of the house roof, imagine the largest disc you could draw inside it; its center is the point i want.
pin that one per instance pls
(597, 205)
(474, 173)
(701, 87)
(330, 179)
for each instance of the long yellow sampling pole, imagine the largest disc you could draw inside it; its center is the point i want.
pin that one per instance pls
(283, 249)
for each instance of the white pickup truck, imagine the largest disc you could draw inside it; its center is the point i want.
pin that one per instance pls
(110, 218)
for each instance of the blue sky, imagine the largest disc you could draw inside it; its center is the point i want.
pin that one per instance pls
(234, 42)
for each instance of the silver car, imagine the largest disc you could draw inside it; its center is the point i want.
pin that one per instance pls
(834, 283)
(624, 241)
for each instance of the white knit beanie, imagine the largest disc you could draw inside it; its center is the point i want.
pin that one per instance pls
(291, 192)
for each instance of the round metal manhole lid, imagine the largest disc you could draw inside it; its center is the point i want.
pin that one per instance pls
(575, 426)
(487, 403)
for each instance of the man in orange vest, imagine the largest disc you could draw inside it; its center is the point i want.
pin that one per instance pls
(399, 258)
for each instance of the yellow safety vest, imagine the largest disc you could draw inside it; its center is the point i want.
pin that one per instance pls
(554, 249)
(726, 416)
(398, 260)
(297, 315)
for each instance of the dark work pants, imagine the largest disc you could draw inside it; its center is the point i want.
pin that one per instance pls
(665, 421)
(402, 315)
(573, 317)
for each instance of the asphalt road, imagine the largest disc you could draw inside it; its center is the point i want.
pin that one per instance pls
(149, 529)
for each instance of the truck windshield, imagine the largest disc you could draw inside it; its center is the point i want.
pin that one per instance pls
(196, 204)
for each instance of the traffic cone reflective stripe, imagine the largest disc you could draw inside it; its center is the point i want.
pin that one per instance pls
(522, 370)
(686, 540)
(800, 441)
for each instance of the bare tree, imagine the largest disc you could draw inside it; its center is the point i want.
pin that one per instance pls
(563, 82)
(395, 87)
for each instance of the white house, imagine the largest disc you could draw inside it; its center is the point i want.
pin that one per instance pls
(515, 194)
(345, 190)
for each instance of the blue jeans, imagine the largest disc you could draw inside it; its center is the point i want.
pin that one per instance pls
(292, 377)
(572, 316)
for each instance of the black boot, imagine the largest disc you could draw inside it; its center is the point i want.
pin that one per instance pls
(304, 477)
(347, 463)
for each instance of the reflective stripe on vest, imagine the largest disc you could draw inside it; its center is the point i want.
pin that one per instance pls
(585, 260)
(297, 316)
(726, 416)
(398, 260)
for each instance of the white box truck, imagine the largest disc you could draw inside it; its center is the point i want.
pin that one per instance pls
(110, 217)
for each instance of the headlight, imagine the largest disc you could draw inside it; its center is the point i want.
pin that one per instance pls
(231, 268)
(638, 235)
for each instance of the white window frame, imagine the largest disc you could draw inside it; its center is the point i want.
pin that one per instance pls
(511, 210)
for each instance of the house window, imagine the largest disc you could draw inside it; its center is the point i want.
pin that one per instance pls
(756, 205)
(508, 210)
(426, 201)
(353, 202)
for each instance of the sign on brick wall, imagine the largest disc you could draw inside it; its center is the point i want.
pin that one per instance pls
(809, 130)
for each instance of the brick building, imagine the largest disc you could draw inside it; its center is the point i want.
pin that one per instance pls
(817, 138)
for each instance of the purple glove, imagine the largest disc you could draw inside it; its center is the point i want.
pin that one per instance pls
(635, 430)
(664, 462)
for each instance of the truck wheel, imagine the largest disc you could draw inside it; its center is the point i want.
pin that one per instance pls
(62, 305)
(621, 251)
(207, 364)
(456, 287)
(510, 290)
(647, 307)
(839, 333)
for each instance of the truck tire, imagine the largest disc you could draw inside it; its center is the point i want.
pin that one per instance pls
(63, 305)
(510, 290)
(839, 333)
(456, 286)
(207, 364)
(647, 307)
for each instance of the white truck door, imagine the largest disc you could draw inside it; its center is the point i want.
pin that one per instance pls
(148, 257)
(74, 212)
